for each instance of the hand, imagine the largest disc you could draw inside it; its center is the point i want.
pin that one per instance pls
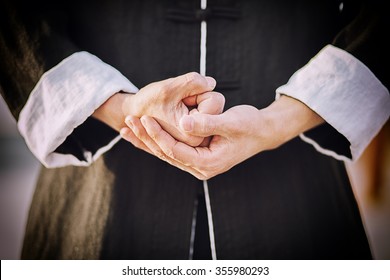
(166, 101)
(240, 133)
(235, 140)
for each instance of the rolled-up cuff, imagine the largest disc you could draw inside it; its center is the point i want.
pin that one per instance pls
(63, 99)
(346, 94)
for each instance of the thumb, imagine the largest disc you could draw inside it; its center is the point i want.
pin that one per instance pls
(203, 125)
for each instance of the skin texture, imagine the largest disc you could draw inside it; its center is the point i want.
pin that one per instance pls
(167, 102)
(237, 134)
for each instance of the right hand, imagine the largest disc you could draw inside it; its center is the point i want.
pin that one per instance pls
(237, 134)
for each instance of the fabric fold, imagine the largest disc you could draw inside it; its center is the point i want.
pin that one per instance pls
(63, 99)
(345, 93)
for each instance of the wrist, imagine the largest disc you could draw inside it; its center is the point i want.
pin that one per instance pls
(270, 134)
(286, 118)
(114, 111)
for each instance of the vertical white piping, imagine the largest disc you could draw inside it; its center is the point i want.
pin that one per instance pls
(203, 4)
(210, 220)
(193, 228)
(203, 50)
(203, 38)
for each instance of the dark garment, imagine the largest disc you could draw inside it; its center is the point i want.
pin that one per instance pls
(289, 203)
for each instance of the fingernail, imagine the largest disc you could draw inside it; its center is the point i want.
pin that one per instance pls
(211, 82)
(187, 123)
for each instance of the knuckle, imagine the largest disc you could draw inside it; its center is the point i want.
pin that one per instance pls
(218, 103)
(164, 89)
(192, 77)
(210, 168)
(207, 175)
(171, 151)
(200, 177)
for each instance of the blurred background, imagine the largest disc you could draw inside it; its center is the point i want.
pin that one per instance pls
(18, 174)
(370, 177)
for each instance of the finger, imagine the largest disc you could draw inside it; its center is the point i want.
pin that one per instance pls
(203, 125)
(147, 141)
(210, 103)
(178, 151)
(127, 134)
(206, 142)
(190, 101)
(191, 84)
(139, 131)
(206, 103)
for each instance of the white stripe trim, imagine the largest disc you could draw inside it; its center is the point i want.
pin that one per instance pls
(203, 39)
(210, 220)
(323, 150)
(203, 35)
(203, 4)
(193, 228)
(203, 51)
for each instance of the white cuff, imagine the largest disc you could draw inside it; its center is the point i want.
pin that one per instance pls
(63, 99)
(345, 93)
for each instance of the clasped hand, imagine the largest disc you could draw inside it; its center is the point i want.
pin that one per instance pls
(180, 121)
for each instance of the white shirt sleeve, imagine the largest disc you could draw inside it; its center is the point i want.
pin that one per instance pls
(345, 93)
(63, 99)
